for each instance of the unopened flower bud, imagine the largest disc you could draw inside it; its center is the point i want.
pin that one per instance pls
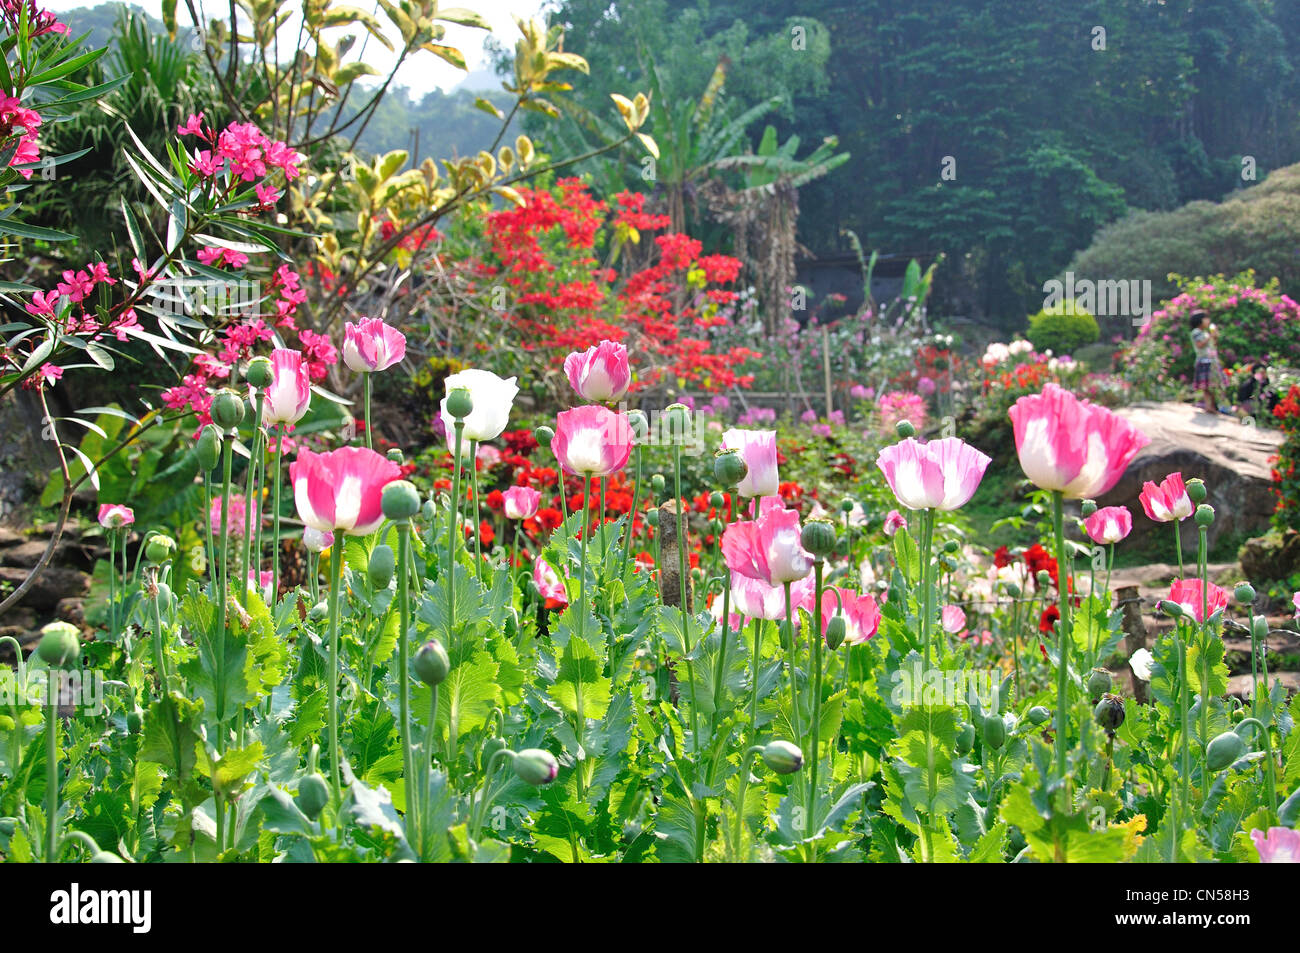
(950, 546)
(1038, 715)
(965, 739)
(400, 500)
(1044, 578)
(904, 429)
(995, 732)
(1013, 590)
(1259, 628)
(836, 629)
(1109, 712)
(227, 409)
(60, 645)
(313, 795)
(208, 448)
(657, 483)
(460, 403)
(319, 612)
(1170, 608)
(544, 435)
(652, 517)
(782, 757)
(1224, 750)
(431, 663)
(134, 721)
(381, 566)
(536, 766)
(260, 373)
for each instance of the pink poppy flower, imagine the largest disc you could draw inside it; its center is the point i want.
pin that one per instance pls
(1168, 501)
(894, 522)
(755, 599)
(953, 619)
(371, 345)
(939, 475)
(592, 440)
(342, 489)
(758, 449)
(601, 373)
(861, 614)
(549, 584)
(1280, 845)
(768, 548)
(1187, 594)
(521, 502)
(115, 515)
(289, 395)
(1109, 524)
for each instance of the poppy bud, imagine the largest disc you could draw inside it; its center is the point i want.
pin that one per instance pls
(950, 546)
(60, 645)
(1244, 594)
(1109, 712)
(1038, 715)
(1259, 628)
(818, 537)
(1196, 490)
(1099, 682)
(1204, 514)
(431, 663)
(227, 409)
(400, 500)
(460, 404)
(313, 795)
(260, 373)
(904, 429)
(1044, 578)
(729, 467)
(640, 426)
(381, 566)
(1013, 590)
(657, 483)
(536, 766)
(106, 857)
(1224, 750)
(1170, 608)
(835, 632)
(995, 732)
(782, 757)
(208, 448)
(543, 436)
(318, 612)
(965, 739)
(1088, 507)
(490, 747)
(652, 517)
(134, 721)
(717, 500)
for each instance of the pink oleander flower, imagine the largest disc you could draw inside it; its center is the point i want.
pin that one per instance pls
(767, 549)
(49, 373)
(894, 522)
(493, 397)
(115, 515)
(1168, 501)
(1187, 594)
(1070, 445)
(1109, 524)
(758, 449)
(1280, 845)
(861, 614)
(755, 599)
(953, 619)
(521, 502)
(549, 584)
(601, 373)
(289, 395)
(939, 475)
(371, 345)
(235, 522)
(342, 489)
(592, 440)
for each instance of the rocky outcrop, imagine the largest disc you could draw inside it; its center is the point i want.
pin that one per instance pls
(1230, 455)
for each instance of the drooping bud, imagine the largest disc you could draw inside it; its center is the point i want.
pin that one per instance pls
(106, 857)
(431, 663)
(313, 795)
(782, 757)
(208, 448)
(260, 373)
(836, 629)
(227, 409)
(818, 537)
(1109, 712)
(1224, 750)
(460, 403)
(60, 645)
(1038, 715)
(381, 566)
(536, 766)
(400, 500)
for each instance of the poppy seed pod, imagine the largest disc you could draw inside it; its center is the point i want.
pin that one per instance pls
(729, 467)
(431, 663)
(904, 429)
(1204, 514)
(717, 500)
(782, 757)
(836, 629)
(1013, 590)
(950, 546)
(1038, 715)
(1099, 682)
(1223, 750)
(1196, 490)
(818, 537)
(1109, 712)
(227, 409)
(396, 455)
(259, 373)
(846, 505)
(400, 500)
(60, 645)
(208, 448)
(536, 766)
(381, 566)
(636, 419)
(1088, 507)
(1244, 594)
(159, 547)
(657, 483)
(313, 795)
(460, 403)
(544, 435)
(1044, 578)
(652, 517)
(676, 423)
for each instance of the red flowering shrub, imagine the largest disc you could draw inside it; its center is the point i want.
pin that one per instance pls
(1286, 485)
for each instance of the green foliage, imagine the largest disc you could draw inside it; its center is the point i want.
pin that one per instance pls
(1063, 329)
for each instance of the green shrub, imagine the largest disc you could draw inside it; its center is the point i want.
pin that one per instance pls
(1062, 330)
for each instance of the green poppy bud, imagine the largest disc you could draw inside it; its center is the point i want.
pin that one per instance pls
(60, 645)
(657, 483)
(164, 597)
(1099, 682)
(1204, 514)
(429, 509)
(400, 500)
(717, 500)
(431, 663)
(1170, 608)
(381, 566)
(836, 629)
(1259, 628)
(1088, 507)
(544, 436)
(965, 739)
(490, 747)
(259, 373)
(1109, 712)
(715, 527)
(208, 448)
(159, 548)
(460, 403)
(313, 795)
(638, 423)
(1196, 490)
(536, 766)
(729, 467)
(227, 409)
(319, 612)
(904, 429)
(782, 757)
(652, 517)
(1013, 590)
(1038, 715)
(396, 456)
(1224, 750)
(134, 721)
(1244, 594)
(818, 537)
(950, 546)
(995, 732)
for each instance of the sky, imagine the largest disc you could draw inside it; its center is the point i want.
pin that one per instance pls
(420, 74)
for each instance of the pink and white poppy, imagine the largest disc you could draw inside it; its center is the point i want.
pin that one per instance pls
(1168, 501)
(371, 345)
(115, 515)
(1187, 594)
(1109, 524)
(592, 440)
(520, 502)
(894, 522)
(861, 614)
(342, 489)
(289, 396)
(768, 548)
(953, 619)
(939, 475)
(1279, 845)
(755, 599)
(601, 373)
(1070, 445)
(549, 584)
(758, 449)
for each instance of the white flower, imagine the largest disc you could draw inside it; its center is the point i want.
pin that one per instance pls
(1140, 662)
(493, 397)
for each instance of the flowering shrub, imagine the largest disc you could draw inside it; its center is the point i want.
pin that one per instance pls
(1286, 484)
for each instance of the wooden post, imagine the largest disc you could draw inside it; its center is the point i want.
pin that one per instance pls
(826, 368)
(1135, 634)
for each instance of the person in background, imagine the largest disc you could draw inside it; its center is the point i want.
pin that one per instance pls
(1208, 374)
(1256, 395)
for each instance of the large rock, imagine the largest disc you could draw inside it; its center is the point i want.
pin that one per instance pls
(52, 585)
(1232, 458)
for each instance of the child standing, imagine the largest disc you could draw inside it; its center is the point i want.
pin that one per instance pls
(1208, 375)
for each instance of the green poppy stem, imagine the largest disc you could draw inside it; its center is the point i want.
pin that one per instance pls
(336, 583)
(51, 768)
